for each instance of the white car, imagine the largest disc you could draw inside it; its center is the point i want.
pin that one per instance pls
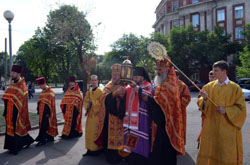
(246, 93)
(101, 86)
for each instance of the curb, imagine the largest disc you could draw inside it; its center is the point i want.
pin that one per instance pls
(34, 127)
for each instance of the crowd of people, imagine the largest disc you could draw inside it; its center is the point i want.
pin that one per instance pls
(134, 122)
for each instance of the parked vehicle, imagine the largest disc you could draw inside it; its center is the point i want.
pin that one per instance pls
(80, 84)
(192, 88)
(246, 93)
(101, 86)
(244, 83)
(2, 86)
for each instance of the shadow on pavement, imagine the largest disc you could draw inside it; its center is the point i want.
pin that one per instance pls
(23, 156)
(93, 160)
(49, 151)
(185, 160)
(57, 149)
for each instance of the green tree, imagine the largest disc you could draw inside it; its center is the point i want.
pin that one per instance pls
(131, 46)
(41, 57)
(27, 73)
(36, 55)
(2, 68)
(181, 47)
(128, 45)
(244, 69)
(68, 27)
(159, 37)
(190, 49)
(247, 34)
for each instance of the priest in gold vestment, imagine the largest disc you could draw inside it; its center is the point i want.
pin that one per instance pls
(110, 126)
(92, 104)
(221, 136)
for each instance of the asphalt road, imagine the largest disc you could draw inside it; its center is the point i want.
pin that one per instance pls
(69, 152)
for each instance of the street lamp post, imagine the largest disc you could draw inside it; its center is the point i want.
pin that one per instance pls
(5, 64)
(8, 15)
(96, 30)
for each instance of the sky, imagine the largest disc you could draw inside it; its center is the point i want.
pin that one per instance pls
(110, 19)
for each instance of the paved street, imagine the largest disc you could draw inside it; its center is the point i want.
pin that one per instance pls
(70, 152)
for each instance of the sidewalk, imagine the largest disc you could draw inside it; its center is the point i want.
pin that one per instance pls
(68, 152)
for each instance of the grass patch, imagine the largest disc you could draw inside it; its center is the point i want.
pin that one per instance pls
(34, 119)
(2, 120)
(59, 85)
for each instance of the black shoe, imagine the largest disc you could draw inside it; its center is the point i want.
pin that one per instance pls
(50, 140)
(40, 143)
(61, 137)
(28, 145)
(13, 152)
(87, 153)
(65, 137)
(92, 153)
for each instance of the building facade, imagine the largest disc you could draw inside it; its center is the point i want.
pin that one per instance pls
(203, 14)
(231, 15)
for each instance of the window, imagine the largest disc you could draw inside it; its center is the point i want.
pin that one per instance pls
(175, 5)
(195, 76)
(238, 33)
(184, 21)
(195, 1)
(176, 23)
(205, 19)
(238, 12)
(195, 20)
(221, 18)
(184, 2)
(162, 29)
(221, 15)
(238, 21)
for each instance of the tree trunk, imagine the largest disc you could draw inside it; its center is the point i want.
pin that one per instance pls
(85, 80)
(84, 72)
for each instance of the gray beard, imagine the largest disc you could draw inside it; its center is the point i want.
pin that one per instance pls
(158, 80)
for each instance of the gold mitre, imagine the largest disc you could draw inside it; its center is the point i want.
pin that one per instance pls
(116, 69)
(162, 63)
